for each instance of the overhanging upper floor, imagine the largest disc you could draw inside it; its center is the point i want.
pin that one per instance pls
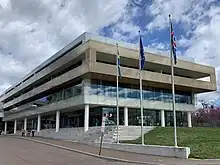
(97, 59)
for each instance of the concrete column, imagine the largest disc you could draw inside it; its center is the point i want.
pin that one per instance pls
(5, 132)
(25, 124)
(38, 123)
(86, 90)
(57, 121)
(86, 118)
(162, 118)
(15, 126)
(126, 116)
(189, 119)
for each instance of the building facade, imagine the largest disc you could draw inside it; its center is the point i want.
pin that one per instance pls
(77, 86)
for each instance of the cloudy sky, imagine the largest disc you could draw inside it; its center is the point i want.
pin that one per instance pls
(32, 30)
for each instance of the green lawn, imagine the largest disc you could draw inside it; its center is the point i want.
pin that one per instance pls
(203, 142)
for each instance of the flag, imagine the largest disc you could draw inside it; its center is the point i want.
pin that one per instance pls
(142, 57)
(118, 62)
(173, 42)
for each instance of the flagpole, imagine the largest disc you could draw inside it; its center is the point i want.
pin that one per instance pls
(141, 97)
(117, 106)
(173, 87)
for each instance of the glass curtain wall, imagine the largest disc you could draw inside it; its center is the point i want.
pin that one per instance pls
(181, 119)
(150, 118)
(20, 125)
(48, 122)
(63, 94)
(95, 116)
(72, 119)
(99, 87)
(32, 124)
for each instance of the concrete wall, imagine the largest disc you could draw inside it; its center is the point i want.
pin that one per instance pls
(156, 59)
(129, 73)
(169, 151)
(64, 133)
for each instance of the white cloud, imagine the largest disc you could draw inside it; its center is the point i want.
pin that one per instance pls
(32, 30)
(200, 19)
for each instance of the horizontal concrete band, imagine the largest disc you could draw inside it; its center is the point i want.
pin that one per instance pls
(156, 150)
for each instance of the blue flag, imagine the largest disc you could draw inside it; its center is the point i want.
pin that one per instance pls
(118, 62)
(142, 57)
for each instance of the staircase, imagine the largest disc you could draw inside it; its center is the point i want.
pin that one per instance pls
(94, 133)
(125, 133)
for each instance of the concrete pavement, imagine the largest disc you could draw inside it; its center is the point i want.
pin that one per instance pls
(126, 155)
(15, 151)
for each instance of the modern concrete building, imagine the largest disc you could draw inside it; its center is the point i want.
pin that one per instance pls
(77, 85)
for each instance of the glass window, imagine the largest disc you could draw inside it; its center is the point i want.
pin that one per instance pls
(48, 122)
(158, 95)
(72, 119)
(95, 116)
(181, 119)
(134, 117)
(151, 94)
(168, 118)
(150, 117)
(132, 91)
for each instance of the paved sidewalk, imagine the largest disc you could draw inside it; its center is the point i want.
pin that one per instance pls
(127, 155)
(14, 151)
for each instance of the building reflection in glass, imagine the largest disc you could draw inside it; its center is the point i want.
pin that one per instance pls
(72, 119)
(48, 122)
(32, 124)
(63, 94)
(150, 118)
(106, 88)
(20, 124)
(95, 116)
(181, 118)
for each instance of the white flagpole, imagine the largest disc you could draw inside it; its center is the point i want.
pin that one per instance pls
(173, 88)
(141, 97)
(117, 106)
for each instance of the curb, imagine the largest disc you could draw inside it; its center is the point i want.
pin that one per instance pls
(89, 154)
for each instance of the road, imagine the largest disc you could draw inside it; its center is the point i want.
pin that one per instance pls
(23, 152)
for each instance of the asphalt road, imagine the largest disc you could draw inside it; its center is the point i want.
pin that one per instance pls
(23, 152)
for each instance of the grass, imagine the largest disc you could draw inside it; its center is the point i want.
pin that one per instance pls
(204, 143)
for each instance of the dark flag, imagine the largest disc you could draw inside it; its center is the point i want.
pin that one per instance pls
(173, 42)
(142, 57)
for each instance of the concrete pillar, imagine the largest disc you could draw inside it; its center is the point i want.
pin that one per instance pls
(25, 124)
(38, 122)
(5, 132)
(126, 116)
(86, 118)
(15, 126)
(162, 118)
(57, 121)
(189, 119)
(86, 90)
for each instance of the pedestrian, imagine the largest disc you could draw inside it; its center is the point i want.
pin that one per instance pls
(32, 132)
(22, 132)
